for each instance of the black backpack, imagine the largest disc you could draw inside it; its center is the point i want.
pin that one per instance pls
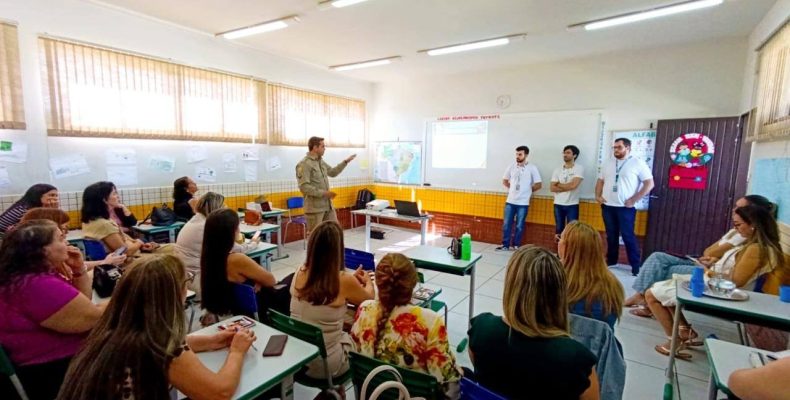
(364, 197)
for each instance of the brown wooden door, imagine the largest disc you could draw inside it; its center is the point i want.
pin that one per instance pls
(687, 221)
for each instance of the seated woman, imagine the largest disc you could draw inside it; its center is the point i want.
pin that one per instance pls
(140, 349)
(62, 219)
(660, 266)
(220, 269)
(184, 203)
(743, 264)
(97, 201)
(38, 195)
(124, 218)
(320, 290)
(393, 330)
(45, 319)
(593, 291)
(530, 348)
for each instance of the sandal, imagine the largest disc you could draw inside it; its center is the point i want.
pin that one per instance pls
(679, 353)
(643, 312)
(689, 336)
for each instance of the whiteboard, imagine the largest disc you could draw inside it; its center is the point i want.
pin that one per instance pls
(545, 133)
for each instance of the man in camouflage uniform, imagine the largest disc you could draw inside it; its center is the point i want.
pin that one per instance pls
(313, 174)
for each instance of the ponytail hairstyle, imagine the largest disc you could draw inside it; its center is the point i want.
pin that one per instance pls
(396, 277)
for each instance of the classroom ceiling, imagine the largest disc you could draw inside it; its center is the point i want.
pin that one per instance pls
(382, 28)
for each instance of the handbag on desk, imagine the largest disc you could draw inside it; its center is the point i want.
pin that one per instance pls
(105, 277)
(252, 217)
(455, 248)
(161, 216)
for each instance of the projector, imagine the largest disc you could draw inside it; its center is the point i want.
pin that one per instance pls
(377, 205)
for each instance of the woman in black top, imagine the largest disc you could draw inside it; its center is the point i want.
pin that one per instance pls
(184, 189)
(528, 352)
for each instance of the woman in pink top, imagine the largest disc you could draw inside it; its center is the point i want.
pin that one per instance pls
(44, 318)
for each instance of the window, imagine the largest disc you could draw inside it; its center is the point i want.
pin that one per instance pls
(459, 144)
(12, 112)
(772, 119)
(295, 115)
(93, 91)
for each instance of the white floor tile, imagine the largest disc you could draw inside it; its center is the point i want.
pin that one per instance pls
(492, 288)
(457, 281)
(482, 304)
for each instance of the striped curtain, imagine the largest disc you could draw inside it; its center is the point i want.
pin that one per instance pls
(772, 119)
(12, 111)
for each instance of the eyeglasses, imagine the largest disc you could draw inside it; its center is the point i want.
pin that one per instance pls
(618, 147)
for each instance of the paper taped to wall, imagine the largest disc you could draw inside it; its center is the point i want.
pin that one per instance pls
(205, 174)
(121, 157)
(196, 154)
(229, 162)
(5, 180)
(70, 165)
(250, 154)
(162, 163)
(250, 172)
(273, 164)
(13, 151)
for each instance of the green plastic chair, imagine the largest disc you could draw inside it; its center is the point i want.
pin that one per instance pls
(313, 335)
(418, 383)
(434, 305)
(7, 369)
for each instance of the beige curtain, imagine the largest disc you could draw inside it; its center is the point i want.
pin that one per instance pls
(296, 114)
(92, 91)
(12, 111)
(772, 120)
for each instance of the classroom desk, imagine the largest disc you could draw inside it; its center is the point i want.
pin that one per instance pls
(276, 213)
(423, 221)
(261, 252)
(260, 374)
(761, 309)
(75, 237)
(147, 230)
(438, 259)
(724, 359)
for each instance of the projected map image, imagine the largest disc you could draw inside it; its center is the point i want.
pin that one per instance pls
(399, 162)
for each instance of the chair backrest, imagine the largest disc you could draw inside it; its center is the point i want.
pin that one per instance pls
(6, 367)
(294, 202)
(419, 384)
(244, 299)
(94, 249)
(298, 329)
(759, 283)
(471, 390)
(355, 258)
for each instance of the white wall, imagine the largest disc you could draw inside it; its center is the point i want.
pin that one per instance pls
(96, 23)
(632, 89)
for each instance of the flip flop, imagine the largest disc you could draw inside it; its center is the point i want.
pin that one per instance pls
(641, 312)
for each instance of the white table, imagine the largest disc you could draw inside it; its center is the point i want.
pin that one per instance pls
(760, 309)
(259, 374)
(423, 221)
(261, 251)
(147, 230)
(269, 229)
(724, 359)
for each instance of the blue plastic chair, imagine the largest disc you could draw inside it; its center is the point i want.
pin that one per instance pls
(293, 203)
(245, 300)
(471, 390)
(356, 258)
(94, 249)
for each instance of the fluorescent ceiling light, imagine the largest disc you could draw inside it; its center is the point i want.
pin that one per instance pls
(267, 26)
(340, 3)
(646, 14)
(480, 44)
(365, 64)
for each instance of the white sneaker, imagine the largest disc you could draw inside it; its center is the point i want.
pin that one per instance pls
(501, 248)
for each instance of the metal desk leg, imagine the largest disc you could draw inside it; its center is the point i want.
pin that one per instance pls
(669, 385)
(423, 231)
(279, 255)
(712, 389)
(471, 294)
(367, 233)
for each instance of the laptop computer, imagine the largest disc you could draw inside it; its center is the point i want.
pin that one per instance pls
(408, 208)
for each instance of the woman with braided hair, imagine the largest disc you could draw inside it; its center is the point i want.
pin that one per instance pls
(392, 330)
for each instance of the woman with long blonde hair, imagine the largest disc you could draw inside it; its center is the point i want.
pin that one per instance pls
(393, 330)
(528, 352)
(593, 291)
(139, 349)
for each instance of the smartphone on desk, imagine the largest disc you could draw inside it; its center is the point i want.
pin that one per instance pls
(275, 345)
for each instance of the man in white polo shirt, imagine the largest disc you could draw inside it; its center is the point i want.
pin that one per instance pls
(565, 183)
(622, 181)
(521, 179)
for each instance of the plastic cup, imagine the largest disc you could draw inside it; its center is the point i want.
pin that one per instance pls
(697, 273)
(697, 288)
(784, 294)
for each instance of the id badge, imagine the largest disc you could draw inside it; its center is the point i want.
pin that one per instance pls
(518, 187)
(614, 188)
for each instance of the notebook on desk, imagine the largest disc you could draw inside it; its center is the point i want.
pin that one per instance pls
(408, 208)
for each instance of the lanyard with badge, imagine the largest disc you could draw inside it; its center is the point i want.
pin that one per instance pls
(617, 172)
(518, 177)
